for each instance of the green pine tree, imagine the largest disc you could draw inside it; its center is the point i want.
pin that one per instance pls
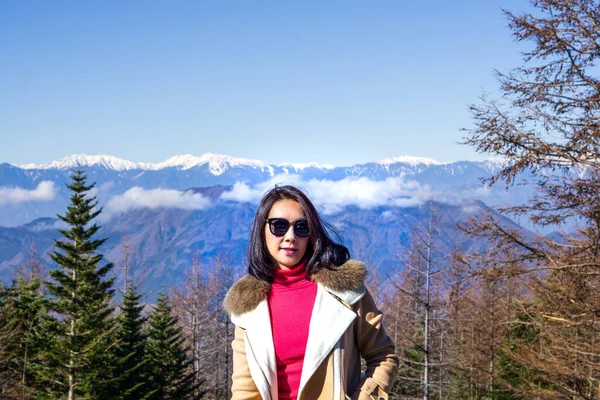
(23, 310)
(79, 357)
(170, 369)
(129, 364)
(9, 377)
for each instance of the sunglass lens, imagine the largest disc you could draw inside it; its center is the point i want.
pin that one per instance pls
(301, 228)
(279, 227)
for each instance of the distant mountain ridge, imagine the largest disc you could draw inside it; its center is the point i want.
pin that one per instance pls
(216, 163)
(114, 176)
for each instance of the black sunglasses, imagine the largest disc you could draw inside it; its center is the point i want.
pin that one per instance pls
(280, 226)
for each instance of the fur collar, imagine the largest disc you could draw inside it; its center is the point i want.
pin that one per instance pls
(248, 291)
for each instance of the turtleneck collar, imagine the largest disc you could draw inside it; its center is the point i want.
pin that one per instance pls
(288, 277)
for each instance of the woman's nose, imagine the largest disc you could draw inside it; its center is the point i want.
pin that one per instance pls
(290, 235)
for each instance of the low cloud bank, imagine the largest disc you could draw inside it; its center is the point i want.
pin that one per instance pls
(328, 195)
(333, 196)
(245, 193)
(137, 197)
(51, 225)
(45, 191)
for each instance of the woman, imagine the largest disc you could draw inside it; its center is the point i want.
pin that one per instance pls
(303, 316)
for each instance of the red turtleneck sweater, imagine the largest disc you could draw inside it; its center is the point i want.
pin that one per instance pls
(291, 301)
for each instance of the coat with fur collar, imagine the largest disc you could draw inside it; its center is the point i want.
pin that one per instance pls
(345, 326)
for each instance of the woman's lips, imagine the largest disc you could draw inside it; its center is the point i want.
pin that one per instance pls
(289, 251)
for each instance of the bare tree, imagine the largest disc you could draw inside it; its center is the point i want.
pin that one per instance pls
(221, 277)
(417, 312)
(547, 125)
(206, 325)
(191, 304)
(127, 272)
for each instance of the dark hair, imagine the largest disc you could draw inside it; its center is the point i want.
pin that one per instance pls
(321, 252)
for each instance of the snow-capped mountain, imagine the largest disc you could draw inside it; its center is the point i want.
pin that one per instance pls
(217, 163)
(72, 161)
(22, 199)
(410, 160)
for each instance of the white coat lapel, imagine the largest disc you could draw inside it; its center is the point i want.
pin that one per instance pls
(329, 320)
(259, 343)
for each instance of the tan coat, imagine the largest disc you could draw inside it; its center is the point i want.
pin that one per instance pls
(345, 326)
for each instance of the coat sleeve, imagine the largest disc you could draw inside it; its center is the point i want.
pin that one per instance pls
(377, 349)
(242, 384)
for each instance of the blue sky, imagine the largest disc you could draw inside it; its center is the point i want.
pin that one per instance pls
(338, 82)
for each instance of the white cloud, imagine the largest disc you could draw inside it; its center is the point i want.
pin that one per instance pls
(102, 190)
(387, 216)
(458, 196)
(483, 191)
(45, 191)
(471, 208)
(333, 196)
(245, 193)
(137, 197)
(106, 186)
(49, 226)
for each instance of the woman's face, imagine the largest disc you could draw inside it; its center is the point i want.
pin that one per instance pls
(289, 249)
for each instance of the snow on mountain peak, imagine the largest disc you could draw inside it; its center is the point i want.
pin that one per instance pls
(496, 163)
(74, 160)
(413, 161)
(299, 166)
(217, 163)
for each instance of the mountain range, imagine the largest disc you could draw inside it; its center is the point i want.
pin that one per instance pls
(41, 190)
(204, 205)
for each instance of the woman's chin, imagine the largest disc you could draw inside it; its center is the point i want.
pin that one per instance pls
(288, 264)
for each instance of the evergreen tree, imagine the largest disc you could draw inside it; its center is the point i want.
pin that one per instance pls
(22, 314)
(79, 355)
(129, 363)
(8, 376)
(171, 374)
